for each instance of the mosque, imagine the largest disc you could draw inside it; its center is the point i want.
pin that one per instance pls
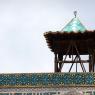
(69, 45)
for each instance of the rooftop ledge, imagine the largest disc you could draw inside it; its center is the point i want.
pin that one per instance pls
(36, 80)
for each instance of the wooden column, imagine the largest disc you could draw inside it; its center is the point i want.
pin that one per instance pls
(90, 63)
(55, 63)
(60, 59)
(93, 61)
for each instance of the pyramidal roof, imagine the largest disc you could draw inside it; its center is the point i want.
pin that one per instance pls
(74, 25)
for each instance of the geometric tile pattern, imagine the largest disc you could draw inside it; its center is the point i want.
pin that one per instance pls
(47, 79)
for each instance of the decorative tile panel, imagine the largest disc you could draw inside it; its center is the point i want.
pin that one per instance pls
(47, 79)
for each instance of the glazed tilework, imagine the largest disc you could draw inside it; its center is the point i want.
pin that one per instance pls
(47, 79)
(74, 25)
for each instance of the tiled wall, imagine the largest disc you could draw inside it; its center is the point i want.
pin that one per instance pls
(47, 84)
(47, 79)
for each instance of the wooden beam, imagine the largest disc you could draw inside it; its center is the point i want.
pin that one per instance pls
(83, 61)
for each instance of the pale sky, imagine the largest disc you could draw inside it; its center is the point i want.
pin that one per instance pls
(23, 48)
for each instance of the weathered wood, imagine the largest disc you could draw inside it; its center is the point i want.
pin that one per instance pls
(83, 61)
(64, 44)
(55, 64)
(58, 41)
(93, 61)
(90, 63)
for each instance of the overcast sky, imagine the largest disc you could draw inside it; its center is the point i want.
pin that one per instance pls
(23, 48)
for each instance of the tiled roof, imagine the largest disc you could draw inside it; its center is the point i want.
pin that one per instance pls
(74, 25)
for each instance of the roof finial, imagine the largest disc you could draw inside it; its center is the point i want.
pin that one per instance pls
(75, 14)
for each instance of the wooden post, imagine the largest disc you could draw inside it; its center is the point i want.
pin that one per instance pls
(55, 64)
(93, 62)
(90, 63)
(60, 59)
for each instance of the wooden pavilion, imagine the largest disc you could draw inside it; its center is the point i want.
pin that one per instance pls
(73, 40)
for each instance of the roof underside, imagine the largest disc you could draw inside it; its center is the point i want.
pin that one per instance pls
(58, 42)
